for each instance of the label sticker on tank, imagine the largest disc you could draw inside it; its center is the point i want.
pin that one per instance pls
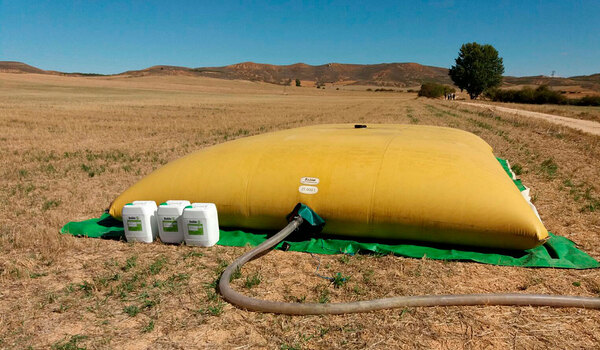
(134, 223)
(195, 227)
(308, 189)
(309, 180)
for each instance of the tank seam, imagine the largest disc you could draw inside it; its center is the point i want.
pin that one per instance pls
(387, 146)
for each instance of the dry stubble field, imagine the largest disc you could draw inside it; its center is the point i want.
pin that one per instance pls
(68, 146)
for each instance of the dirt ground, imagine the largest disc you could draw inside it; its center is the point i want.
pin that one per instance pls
(587, 126)
(68, 146)
(575, 112)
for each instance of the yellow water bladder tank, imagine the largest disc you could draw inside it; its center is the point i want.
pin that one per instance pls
(407, 182)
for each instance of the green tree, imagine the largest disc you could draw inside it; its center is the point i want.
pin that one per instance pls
(297, 82)
(477, 68)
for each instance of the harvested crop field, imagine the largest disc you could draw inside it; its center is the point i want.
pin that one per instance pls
(70, 145)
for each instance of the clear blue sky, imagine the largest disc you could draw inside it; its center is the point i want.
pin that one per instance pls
(533, 37)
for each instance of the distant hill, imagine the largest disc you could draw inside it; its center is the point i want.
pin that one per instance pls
(383, 74)
(591, 82)
(160, 70)
(19, 67)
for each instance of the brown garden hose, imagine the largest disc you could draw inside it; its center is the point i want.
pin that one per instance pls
(505, 299)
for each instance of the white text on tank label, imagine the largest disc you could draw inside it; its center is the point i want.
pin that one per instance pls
(309, 180)
(308, 189)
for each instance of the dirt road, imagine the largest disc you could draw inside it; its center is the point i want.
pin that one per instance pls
(583, 125)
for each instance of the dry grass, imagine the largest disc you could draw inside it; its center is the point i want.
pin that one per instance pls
(68, 146)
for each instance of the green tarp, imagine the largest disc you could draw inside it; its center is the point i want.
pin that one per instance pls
(509, 172)
(557, 252)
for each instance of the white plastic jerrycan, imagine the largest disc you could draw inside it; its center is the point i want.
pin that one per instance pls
(139, 221)
(200, 224)
(169, 220)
